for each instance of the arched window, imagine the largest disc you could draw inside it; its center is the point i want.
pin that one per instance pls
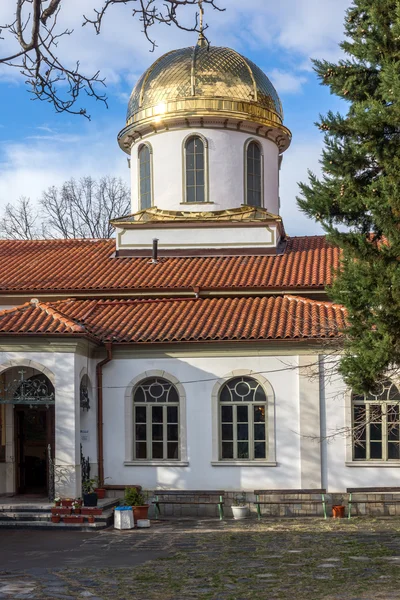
(195, 174)
(145, 191)
(376, 424)
(243, 416)
(156, 420)
(253, 179)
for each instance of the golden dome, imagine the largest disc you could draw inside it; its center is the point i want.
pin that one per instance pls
(204, 82)
(208, 73)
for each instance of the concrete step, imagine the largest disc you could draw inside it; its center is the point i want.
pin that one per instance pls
(45, 525)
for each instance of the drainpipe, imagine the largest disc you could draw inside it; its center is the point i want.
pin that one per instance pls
(99, 378)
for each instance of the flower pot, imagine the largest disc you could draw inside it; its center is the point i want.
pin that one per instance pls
(140, 512)
(67, 502)
(59, 510)
(337, 511)
(91, 511)
(142, 523)
(55, 518)
(90, 499)
(73, 519)
(240, 512)
(101, 493)
(91, 519)
(77, 511)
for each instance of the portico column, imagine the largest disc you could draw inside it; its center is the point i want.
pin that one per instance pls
(310, 444)
(67, 433)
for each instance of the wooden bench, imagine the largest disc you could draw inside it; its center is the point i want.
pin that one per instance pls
(371, 490)
(219, 501)
(303, 492)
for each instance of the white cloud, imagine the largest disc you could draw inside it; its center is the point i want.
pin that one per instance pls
(302, 155)
(29, 167)
(285, 82)
(295, 27)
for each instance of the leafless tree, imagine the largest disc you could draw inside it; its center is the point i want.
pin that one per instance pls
(20, 221)
(78, 209)
(36, 29)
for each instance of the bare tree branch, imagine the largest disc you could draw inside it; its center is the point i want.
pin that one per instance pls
(50, 79)
(19, 221)
(78, 209)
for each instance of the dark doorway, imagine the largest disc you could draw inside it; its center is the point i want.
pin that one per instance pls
(34, 429)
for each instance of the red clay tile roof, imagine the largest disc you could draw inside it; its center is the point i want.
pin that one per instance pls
(88, 265)
(180, 320)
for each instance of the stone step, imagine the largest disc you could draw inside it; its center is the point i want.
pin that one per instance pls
(23, 507)
(45, 525)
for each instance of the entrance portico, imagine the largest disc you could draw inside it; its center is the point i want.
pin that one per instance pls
(40, 427)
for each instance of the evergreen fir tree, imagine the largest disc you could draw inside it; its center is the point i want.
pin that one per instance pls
(357, 200)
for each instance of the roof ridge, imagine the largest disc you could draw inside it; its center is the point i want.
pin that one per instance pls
(327, 303)
(67, 321)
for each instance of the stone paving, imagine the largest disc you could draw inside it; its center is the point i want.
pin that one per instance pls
(294, 559)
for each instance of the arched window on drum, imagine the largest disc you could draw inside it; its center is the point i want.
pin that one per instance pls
(254, 174)
(145, 177)
(195, 169)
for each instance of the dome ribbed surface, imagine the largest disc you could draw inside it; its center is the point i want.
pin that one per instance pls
(209, 73)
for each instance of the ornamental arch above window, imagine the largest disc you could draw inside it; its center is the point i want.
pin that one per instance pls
(195, 169)
(156, 420)
(145, 176)
(376, 424)
(254, 173)
(243, 420)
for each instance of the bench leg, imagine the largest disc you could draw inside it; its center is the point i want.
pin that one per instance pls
(258, 508)
(157, 508)
(349, 508)
(221, 508)
(324, 505)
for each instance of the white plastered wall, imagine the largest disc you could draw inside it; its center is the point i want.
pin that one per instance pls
(226, 156)
(198, 377)
(340, 472)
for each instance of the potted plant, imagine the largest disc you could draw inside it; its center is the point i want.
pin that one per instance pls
(138, 502)
(60, 510)
(338, 509)
(89, 495)
(100, 491)
(57, 501)
(76, 507)
(91, 519)
(55, 518)
(240, 508)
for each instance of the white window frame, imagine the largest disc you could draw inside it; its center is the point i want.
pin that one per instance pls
(140, 148)
(270, 460)
(206, 169)
(246, 148)
(130, 461)
(384, 462)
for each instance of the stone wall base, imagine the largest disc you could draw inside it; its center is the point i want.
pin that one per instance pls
(380, 506)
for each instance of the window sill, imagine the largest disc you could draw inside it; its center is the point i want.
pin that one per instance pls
(243, 463)
(374, 463)
(192, 203)
(156, 463)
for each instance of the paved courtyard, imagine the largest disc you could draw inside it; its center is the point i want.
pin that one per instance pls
(181, 560)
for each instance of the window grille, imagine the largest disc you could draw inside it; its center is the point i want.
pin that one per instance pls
(243, 420)
(376, 424)
(156, 420)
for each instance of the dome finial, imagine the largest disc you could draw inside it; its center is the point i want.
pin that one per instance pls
(202, 42)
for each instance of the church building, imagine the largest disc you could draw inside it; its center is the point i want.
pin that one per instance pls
(196, 350)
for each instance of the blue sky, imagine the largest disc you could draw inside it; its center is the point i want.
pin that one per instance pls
(39, 148)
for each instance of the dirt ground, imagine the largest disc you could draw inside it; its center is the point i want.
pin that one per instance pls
(291, 559)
